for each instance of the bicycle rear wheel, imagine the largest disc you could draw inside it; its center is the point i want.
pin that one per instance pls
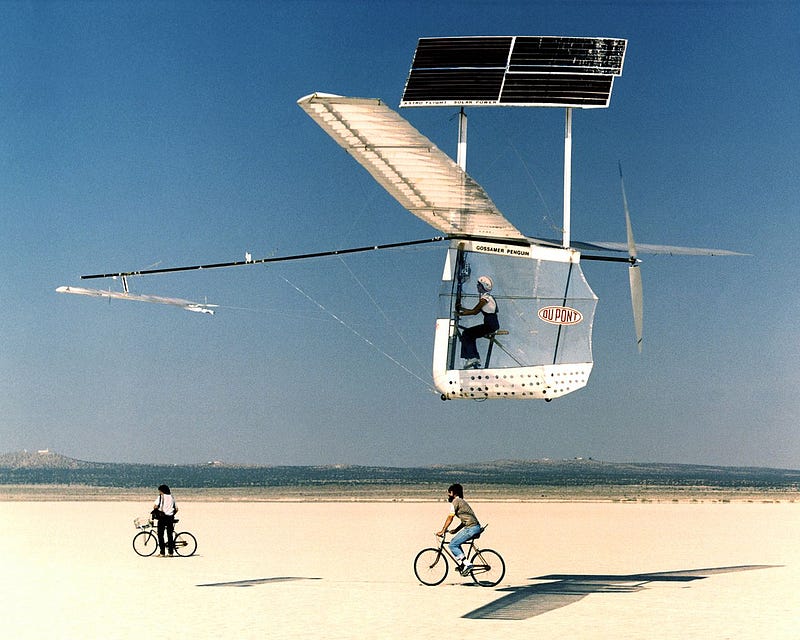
(185, 543)
(489, 568)
(145, 543)
(430, 567)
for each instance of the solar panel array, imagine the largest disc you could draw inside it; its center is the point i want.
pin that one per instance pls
(523, 71)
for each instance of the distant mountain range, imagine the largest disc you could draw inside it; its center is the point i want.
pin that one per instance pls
(46, 467)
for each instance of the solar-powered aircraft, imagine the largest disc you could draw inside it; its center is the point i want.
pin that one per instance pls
(541, 346)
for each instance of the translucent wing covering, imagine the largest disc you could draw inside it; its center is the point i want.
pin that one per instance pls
(409, 166)
(545, 309)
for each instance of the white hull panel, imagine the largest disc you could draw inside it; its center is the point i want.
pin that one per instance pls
(543, 382)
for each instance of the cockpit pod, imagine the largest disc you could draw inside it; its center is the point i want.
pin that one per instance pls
(545, 310)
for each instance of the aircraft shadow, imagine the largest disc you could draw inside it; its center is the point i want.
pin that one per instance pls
(562, 590)
(254, 581)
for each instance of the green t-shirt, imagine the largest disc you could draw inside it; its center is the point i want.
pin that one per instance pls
(460, 507)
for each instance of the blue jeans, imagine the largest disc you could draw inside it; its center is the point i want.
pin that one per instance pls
(460, 538)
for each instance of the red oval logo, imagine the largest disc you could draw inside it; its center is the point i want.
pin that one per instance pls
(560, 315)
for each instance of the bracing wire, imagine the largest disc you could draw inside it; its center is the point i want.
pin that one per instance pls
(548, 217)
(359, 335)
(383, 313)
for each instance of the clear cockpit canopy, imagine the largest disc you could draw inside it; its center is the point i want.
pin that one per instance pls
(545, 305)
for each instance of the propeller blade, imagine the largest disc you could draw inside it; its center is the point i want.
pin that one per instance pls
(634, 275)
(628, 227)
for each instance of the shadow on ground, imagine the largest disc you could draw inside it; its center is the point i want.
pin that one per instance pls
(561, 590)
(253, 582)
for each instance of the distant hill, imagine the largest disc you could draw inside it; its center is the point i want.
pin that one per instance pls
(42, 459)
(45, 467)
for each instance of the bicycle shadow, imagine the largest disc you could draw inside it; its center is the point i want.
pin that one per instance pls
(562, 590)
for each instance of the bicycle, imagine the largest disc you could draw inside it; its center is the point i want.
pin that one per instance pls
(145, 543)
(431, 565)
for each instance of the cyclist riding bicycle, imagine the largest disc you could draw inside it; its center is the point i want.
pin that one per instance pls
(467, 528)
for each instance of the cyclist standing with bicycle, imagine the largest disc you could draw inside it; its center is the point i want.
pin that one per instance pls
(164, 511)
(467, 528)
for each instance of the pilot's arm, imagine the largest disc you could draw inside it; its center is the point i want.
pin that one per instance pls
(474, 311)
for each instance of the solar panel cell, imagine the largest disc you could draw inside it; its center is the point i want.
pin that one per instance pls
(568, 55)
(455, 84)
(438, 53)
(556, 90)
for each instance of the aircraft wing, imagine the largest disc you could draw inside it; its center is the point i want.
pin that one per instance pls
(420, 176)
(197, 307)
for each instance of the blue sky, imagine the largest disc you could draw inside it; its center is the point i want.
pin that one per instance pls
(136, 134)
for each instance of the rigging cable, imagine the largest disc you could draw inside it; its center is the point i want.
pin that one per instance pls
(364, 338)
(547, 218)
(381, 311)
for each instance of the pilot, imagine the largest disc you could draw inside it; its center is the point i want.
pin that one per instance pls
(488, 307)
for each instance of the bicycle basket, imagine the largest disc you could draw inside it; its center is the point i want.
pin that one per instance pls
(142, 523)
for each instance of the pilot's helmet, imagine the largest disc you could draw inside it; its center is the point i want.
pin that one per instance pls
(485, 283)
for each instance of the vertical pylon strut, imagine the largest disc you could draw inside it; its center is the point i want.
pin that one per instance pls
(567, 178)
(461, 158)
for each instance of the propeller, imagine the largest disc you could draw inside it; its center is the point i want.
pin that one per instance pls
(634, 275)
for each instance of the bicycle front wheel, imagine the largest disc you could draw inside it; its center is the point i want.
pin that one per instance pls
(430, 567)
(488, 568)
(185, 543)
(145, 543)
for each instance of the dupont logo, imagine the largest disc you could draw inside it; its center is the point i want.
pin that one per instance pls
(560, 315)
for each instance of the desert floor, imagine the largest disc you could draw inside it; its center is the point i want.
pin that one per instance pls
(344, 570)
